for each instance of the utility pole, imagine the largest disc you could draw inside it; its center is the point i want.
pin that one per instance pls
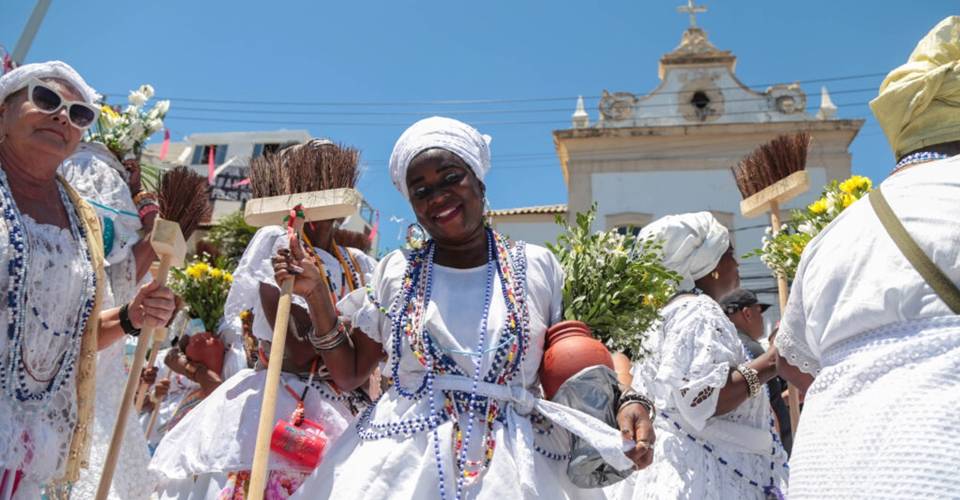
(30, 31)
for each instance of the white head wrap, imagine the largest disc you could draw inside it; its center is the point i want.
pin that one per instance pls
(692, 244)
(444, 133)
(20, 78)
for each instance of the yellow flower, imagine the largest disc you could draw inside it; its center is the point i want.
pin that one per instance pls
(202, 267)
(107, 110)
(215, 273)
(797, 248)
(228, 277)
(848, 199)
(855, 183)
(193, 272)
(819, 206)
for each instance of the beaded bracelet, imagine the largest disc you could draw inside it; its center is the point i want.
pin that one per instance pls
(125, 322)
(330, 340)
(752, 378)
(148, 209)
(140, 197)
(633, 397)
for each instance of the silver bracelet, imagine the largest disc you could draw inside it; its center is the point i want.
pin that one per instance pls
(752, 378)
(330, 340)
(633, 397)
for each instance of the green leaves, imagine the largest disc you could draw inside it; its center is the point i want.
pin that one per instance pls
(615, 283)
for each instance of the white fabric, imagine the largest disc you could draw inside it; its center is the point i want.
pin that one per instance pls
(20, 77)
(406, 467)
(219, 435)
(692, 353)
(692, 244)
(444, 133)
(95, 173)
(255, 268)
(883, 346)
(53, 253)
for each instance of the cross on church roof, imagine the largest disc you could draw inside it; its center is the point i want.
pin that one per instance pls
(692, 9)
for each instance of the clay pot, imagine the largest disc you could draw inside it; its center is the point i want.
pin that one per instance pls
(568, 348)
(206, 348)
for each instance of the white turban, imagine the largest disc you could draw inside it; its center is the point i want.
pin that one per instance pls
(19, 78)
(692, 244)
(444, 133)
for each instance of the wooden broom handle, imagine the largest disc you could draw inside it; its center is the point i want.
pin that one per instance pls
(783, 292)
(133, 381)
(261, 454)
(151, 362)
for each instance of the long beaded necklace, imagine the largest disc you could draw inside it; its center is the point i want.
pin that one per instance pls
(407, 314)
(14, 371)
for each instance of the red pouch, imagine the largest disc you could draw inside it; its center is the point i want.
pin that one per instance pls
(301, 444)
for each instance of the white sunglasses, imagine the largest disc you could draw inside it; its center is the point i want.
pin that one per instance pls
(48, 100)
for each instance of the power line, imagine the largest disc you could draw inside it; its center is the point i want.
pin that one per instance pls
(447, 102)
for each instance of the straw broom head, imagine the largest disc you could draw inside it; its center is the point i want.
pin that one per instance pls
(315, 166)
(771, 162)
(183, 199)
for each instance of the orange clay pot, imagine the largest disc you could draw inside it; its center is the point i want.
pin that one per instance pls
(568, 348)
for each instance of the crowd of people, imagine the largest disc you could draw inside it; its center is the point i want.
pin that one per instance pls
(422, 368)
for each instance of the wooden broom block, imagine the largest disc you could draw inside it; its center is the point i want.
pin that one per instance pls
(168, 243)
(779, 193)
(317, 205)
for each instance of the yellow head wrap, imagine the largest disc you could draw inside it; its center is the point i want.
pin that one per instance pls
(919, 102)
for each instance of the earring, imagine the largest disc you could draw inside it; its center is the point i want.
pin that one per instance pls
(715, 275)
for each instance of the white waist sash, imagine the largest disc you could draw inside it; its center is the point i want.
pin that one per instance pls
(520, 402)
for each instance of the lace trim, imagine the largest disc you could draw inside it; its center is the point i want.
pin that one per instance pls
(797, 353)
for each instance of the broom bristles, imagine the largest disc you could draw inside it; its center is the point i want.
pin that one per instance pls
(184, 199)
(315, 166)
(771, 162)
(352, 239)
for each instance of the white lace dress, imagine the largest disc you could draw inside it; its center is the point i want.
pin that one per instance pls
(210, 451)
(89, 173)
(882, 418)
(528, 459)
(35, 436)
(698, 455)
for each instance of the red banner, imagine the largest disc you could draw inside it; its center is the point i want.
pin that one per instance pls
(211, 164)
(165, 147)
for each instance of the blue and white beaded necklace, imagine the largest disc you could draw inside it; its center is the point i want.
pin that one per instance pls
(13, 367)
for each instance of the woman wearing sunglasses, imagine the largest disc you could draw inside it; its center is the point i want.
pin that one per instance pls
(461, 323)
(51, 273)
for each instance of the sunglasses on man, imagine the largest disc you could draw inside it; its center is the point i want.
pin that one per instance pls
(48, 100)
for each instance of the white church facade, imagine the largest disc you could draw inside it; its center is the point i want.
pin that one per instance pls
(670, 151)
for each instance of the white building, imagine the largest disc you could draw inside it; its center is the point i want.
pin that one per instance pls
(232, 153)
(671, 151)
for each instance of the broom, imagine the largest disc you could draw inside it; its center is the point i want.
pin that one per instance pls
(316, 180)
(770, 176)
(183, 197)
(178, 210)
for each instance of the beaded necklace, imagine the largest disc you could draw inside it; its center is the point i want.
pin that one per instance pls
(918, 157)
(407, 315)
(14, 369)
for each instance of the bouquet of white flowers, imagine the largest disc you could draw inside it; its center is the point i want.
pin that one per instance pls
(126, 130)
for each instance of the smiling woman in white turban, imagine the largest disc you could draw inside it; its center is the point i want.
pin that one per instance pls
(461, 323)
(714, 427)
(51, 273)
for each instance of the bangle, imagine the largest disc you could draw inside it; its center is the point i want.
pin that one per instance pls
(633, 397)
(125, 322)
(140, 197)
(330, 340)
(147, 209)
(753, 380)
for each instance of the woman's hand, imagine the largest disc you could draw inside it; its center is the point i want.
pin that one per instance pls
(152, 307)
(162, 388)
(134, 175)
(292, 263)
(149, 375)
(635, 425)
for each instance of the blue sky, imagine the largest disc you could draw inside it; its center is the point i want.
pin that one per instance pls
(403, 56)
